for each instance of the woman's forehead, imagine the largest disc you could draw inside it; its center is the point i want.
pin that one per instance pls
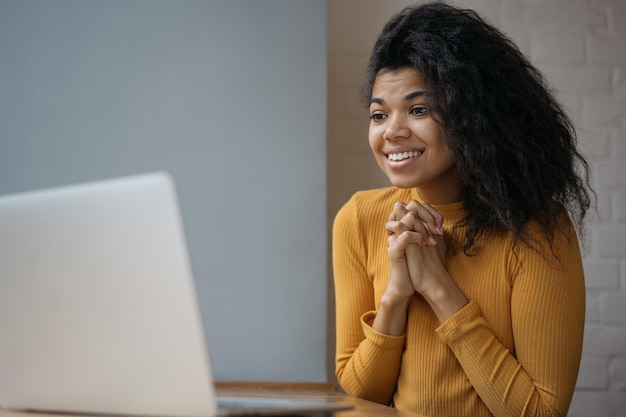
(402, 81)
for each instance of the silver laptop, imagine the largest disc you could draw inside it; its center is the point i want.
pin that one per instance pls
(98, 307)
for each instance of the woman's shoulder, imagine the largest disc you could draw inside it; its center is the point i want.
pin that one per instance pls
(371, 205)
(556, 244)
(380, 198)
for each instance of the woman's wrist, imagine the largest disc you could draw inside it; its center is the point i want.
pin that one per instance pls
(445, 299)
(392, 298)
(391, 316)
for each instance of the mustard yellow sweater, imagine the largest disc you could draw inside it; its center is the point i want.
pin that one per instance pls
(514, 350)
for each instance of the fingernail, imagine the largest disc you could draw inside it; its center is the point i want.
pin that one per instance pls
(440, 230)
(432, 241)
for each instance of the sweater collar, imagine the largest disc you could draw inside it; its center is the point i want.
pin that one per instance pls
(451, 212)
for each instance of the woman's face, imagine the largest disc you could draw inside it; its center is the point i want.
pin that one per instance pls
(407, 142)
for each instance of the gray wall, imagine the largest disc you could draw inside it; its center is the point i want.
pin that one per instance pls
(230, 97)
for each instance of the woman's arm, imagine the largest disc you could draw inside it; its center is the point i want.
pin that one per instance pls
(547, 313)
(367, 361)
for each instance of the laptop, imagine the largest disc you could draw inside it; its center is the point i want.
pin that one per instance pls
(98, 306)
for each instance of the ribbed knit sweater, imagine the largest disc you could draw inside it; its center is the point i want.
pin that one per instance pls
(514, 350)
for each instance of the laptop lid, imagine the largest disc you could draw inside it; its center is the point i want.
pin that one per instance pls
(98, 309)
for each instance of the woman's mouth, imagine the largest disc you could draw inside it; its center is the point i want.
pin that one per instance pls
(402, 155)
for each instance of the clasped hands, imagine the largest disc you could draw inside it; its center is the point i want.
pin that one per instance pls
(417, 250)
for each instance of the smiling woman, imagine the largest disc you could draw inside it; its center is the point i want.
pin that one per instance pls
(407, 141)
(460, 289)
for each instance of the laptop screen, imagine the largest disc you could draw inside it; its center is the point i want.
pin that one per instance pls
(98, 308)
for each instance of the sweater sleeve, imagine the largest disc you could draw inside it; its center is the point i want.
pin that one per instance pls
(367, 362)
(547, 313)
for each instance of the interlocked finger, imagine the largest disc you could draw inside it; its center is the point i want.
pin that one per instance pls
(395, 227)
(428, 215)
(409, 230)
(421, 239)
(398, 212)
(415, 224)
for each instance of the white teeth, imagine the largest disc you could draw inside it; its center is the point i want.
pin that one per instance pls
(402, 155)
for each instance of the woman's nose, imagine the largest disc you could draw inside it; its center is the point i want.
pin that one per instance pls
(396, 128)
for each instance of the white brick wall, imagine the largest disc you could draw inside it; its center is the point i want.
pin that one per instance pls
(581, 48)
(580, 45)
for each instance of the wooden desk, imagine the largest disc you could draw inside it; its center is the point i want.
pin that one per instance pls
(307, 391)
(310, 391)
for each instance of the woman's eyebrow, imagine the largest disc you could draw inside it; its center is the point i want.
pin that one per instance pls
(414, 94)
(408, 97)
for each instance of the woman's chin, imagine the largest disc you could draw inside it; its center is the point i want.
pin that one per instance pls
(402, 182)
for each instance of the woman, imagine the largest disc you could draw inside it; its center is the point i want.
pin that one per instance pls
(460, 289)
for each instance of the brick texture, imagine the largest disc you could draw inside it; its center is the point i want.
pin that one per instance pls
(601, 274)
(592, 84)
(594, 374)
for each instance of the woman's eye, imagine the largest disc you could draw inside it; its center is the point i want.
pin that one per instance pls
(377, 117)
(419, 110)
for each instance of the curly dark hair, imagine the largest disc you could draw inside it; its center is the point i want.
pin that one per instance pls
(512, 142)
